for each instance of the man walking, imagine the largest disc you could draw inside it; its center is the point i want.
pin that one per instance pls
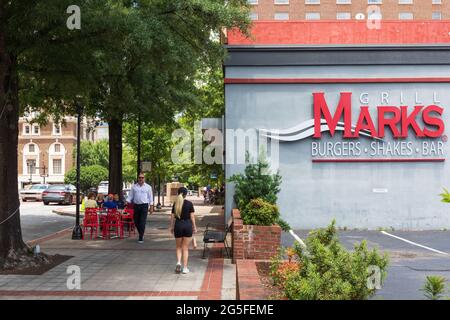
(141, 196)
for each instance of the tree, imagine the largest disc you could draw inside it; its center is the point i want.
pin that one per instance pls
(44, 66)
(90, 176)
(94, 153)
(129, 57)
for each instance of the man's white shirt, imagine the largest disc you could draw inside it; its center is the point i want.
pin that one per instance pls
(141, 194)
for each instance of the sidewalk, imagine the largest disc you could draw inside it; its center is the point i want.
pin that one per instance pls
(124, 269)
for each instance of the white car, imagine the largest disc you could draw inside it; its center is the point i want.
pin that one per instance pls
(34, 193)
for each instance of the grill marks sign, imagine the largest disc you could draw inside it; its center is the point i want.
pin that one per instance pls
(401, 117)
(424, 121)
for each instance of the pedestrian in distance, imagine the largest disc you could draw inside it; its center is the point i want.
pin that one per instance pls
(182, 226)
(141, 196)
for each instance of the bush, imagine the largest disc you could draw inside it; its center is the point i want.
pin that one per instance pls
(262, 213)
(327, 271)
(255, 183)
(90, 176)
(434, 287)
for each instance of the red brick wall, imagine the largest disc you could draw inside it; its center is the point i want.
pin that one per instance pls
(248, 282)
(254, 242)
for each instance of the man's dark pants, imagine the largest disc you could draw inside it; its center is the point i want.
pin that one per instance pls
(140, 218)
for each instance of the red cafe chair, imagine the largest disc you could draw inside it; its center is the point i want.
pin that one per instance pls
(90, 221)
(113, 224)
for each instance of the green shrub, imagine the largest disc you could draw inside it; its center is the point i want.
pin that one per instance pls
(90, 176)
(327, 271)
(256, 182)
(434, 287)
(260, 212)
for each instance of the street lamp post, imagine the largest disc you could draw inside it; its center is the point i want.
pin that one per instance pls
(139, 169)
(158, 206)
(77, 233)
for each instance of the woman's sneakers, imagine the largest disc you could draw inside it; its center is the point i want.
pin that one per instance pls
(178, 269)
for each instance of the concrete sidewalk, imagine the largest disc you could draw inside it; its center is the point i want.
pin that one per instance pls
(124, 269)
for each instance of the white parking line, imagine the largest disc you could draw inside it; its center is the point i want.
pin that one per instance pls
(296, 237)
(414, 243)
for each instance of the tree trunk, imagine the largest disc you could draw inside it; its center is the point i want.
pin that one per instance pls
(115, 156)
(11, 243)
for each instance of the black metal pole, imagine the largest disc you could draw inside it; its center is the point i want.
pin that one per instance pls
(158, 206)
(139, 147)
(77, 233)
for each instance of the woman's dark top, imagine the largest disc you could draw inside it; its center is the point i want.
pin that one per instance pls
(186, 210)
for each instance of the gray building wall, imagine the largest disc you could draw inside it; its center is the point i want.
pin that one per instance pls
(312, 194)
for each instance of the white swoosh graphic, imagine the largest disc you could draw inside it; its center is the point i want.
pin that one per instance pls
(308, 131)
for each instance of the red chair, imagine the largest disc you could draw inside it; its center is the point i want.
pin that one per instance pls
(90, 221)
(113, 224)
(128, 220)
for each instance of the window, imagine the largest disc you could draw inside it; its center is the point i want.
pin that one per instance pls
(405, 16)
(312, 16)
(31, 166)
(405, 1)
(57, 129)
(57, 166)
(312, 1)
(252, 2)
(26, 129)
(281, 16)
(436, 2)
(281, 2)
(343, 1)
(36, 129)
(437, 15)
(343, 15)
(374, 1)
(57, 148)
(31, 148)
(253, 16)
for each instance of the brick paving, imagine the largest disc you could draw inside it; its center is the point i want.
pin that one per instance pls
(124, 269)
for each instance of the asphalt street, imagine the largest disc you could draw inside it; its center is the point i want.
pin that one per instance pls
(410, 263)
(38, 221)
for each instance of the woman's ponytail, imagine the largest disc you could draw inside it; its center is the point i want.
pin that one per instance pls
(179, 205)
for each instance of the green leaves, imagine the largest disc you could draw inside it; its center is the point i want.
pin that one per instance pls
(90, 176)
(445, 196)
(327, 271)
(434, 287)
(256, 182)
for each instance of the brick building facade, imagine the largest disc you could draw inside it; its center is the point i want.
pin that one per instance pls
(45, 153)
(349, 9)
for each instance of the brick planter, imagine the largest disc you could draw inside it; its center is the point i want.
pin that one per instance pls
(248, 282)
(254, 242)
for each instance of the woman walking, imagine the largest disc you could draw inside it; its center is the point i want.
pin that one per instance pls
(182, 225)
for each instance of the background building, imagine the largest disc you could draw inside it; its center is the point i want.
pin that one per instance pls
(46, 152)
(349, 9)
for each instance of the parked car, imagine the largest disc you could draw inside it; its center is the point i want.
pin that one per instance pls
(60, 193)
(34, 192)
(103, 188)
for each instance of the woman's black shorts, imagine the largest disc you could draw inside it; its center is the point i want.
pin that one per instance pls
(183, 229)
